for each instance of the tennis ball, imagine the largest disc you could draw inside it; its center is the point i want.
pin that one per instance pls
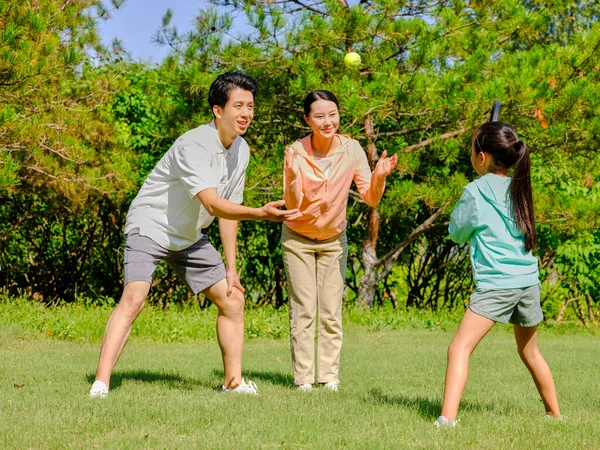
(352, 60)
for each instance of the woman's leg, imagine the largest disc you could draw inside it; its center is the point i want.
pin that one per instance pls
(529, 352)
(470, 332)
(331, 273)
(300, 267)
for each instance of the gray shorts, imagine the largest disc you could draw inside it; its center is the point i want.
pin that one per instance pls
(519, 306)
(199, 265)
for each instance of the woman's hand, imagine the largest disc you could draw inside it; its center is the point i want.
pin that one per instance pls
(385, 165)
(291, 162)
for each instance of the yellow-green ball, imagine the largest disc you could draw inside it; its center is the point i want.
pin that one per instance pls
(352, 60)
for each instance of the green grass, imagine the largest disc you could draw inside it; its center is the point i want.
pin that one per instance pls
(165, 393)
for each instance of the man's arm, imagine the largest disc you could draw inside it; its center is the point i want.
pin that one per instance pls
(224, 209)
(228, 230)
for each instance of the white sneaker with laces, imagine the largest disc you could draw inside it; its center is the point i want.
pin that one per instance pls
(305, 387)
(244, 388)
(332, 386)
(442, 422)
(98, 390)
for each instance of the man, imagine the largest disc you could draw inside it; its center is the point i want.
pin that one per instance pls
(199, 178)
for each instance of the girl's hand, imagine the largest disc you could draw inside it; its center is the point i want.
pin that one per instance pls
(385, 166)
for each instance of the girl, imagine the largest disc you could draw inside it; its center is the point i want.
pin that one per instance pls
(318, 172)
(495, 213)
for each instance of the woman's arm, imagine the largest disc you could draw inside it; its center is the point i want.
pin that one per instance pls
(371, 185)
(292, 180)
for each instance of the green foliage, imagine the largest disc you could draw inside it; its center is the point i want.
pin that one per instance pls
(53, 130)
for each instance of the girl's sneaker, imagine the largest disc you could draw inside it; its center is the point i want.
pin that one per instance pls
(332, 386)
(442, 422)
(551, 417)
(98, 390)
(244, 388)
(305, 387)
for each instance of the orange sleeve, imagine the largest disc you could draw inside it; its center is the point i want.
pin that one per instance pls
(292, 180)
(370, 188)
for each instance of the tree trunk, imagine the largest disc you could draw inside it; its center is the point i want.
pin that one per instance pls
(370, 280)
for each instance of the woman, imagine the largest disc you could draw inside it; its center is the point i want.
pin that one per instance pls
(318, 172)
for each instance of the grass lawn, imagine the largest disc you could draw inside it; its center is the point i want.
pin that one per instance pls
(164, 394)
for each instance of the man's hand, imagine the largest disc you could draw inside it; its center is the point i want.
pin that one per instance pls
(272, 212)
(233, 281)
(385, 166)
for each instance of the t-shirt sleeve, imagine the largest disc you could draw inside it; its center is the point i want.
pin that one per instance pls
(237, 195)
(463, 220)
(192, 165)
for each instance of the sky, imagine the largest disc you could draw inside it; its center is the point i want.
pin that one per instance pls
(136, 22)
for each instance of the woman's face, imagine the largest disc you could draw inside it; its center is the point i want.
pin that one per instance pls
(324, 118)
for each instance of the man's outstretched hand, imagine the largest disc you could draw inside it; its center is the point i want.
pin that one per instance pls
(274, 214)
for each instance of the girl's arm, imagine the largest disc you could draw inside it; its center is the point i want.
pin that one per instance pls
(463, 220)
(292, 180)
(371, 185)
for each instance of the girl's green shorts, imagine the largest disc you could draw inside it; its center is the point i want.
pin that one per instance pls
(519, 306)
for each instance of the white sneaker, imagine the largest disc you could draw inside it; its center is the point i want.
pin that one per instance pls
(553, 418)
(332, 386)
(442, 422)
(305, 387)
(244, 388)
(98, 390)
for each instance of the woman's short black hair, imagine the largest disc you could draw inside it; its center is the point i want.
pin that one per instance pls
(225, 83)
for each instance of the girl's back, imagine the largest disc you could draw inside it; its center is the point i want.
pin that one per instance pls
(497, 248)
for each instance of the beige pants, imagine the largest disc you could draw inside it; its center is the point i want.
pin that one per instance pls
(315, 272)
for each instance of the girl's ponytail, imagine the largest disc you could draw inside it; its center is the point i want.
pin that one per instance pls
(521, 195)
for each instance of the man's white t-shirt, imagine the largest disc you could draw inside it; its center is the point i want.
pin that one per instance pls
(167, 209)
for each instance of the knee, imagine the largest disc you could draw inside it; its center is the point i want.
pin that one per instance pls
(457, 349)
(529, 356)
(132, 303)
(233, 306)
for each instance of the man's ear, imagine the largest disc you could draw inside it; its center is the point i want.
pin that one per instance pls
(217, 111)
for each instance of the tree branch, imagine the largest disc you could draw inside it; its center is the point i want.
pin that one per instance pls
(426, 142)
(386, 263)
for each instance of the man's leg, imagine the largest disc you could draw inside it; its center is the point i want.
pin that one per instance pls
(230, 330)
(118, 327)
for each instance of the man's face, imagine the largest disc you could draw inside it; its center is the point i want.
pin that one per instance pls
(237, 114)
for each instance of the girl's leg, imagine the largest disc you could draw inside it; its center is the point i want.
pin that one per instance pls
(470, 332)
(529, 352)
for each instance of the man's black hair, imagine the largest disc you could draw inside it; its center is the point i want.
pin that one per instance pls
(225, 83)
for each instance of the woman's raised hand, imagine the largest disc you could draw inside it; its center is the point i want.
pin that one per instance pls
(291, 161)
(385, 165)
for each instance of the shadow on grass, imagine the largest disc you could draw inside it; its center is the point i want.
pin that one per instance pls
(171, 380)
(427, 408)
(276, 378)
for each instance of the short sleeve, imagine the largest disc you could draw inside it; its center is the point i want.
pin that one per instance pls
(192, 165)
(237, 195)
(463, 220)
